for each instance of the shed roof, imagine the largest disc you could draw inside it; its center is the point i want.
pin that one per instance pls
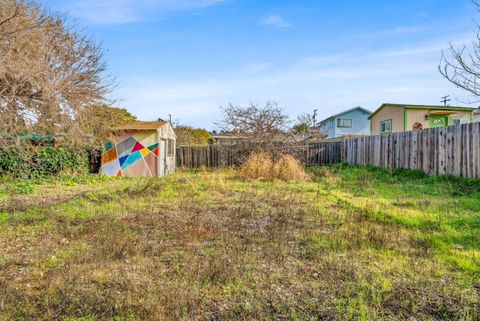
(436, 107)
(142, 125)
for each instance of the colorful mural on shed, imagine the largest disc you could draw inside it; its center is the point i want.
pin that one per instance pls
(132, 155)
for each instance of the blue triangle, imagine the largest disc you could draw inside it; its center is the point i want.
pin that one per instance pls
(122, 160)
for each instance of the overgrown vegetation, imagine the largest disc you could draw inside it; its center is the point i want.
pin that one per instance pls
(189, 136)
(28, 161)
(261, 166)
(355, 243)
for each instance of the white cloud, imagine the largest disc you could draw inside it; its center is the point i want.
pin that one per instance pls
(276, 21)
(125, 11)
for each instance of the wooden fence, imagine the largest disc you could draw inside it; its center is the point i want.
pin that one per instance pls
(453, 150)
(213, 156)
(324, 153)
(208, 156)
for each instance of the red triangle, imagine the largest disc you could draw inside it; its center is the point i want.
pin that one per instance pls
(156, 151)
(137, 147)
(119, 174)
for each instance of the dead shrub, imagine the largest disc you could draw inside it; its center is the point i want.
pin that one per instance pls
(261, 166)
(288, 168)
(257, 166)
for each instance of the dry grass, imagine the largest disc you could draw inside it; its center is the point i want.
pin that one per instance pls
(207, 246)
(257, 166)
(286, 168)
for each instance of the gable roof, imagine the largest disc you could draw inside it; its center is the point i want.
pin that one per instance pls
(436, 107)
(142, 125)
(347, 111)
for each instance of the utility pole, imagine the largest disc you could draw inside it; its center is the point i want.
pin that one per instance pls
(445, 100)
(315, 117)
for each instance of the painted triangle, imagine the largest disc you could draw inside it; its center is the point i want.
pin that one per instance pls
(137, 147)
(156, 151)
(151, 148)
(119, 174)
(122, 160)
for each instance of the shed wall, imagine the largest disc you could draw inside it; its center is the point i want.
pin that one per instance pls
(132, 154)
(167, 133)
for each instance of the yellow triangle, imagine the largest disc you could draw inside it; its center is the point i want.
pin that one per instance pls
(144, 152)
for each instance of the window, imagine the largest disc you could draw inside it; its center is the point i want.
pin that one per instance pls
(460, 121)
(386, 126)
(170, 147)
(344, 123)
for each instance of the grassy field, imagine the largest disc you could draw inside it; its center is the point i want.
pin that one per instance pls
(355, 243)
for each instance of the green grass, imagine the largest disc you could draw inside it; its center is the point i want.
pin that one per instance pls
(355, 243)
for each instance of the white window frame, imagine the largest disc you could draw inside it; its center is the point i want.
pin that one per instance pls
(341, 122)
(386, 122)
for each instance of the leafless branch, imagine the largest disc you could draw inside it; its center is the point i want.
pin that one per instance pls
(461, 65)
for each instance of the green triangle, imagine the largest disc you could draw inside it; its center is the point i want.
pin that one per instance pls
(151, 148)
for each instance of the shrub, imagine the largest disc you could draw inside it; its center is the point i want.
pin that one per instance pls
(27, 161)
(24, 187)
(257, 166)
(261, 166)
(288, 168)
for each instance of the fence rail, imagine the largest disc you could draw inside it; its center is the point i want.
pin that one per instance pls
(453, 150)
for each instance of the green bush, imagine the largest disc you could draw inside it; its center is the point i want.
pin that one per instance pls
(27, 161)
(24, 187)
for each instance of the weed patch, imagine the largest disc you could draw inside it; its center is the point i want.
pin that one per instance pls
(352, 243)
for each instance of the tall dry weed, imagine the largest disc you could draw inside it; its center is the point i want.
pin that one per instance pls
(261, 166)
(288, 168)
(257, 166)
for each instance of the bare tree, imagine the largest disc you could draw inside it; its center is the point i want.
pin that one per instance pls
(49, 72)
(304, 131)
(260, 128)
(461, 66)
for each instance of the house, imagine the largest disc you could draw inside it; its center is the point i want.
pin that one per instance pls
(393, 118)
(352, 122)
(140, 149)
(225, 138)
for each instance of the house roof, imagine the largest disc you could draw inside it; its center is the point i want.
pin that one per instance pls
(142, 125)
(226, 136)
(436, 107)
(346, 111)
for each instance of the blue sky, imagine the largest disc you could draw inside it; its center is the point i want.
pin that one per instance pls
(189, 57)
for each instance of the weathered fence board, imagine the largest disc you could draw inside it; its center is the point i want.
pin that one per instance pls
(208, 156)
(453, 150)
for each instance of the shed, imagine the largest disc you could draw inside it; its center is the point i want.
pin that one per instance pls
(140, 149)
